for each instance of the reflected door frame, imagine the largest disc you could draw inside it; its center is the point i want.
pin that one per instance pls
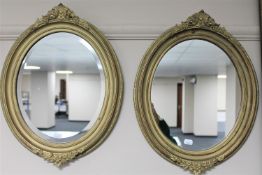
(179, 104)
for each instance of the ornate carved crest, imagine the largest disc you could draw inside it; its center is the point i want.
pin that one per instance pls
(201, 20)
(59, 13)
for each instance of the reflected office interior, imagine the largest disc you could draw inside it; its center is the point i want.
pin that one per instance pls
(61, 87)
(195, 95)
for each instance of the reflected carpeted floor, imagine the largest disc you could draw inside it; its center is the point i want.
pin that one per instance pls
(63, 124)
(199, 142)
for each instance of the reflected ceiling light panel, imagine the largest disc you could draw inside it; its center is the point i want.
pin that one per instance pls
(26, 67)
(222, 76)
(64, 72)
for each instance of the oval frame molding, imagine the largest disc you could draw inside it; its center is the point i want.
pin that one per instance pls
(198, 26)
(62, 19)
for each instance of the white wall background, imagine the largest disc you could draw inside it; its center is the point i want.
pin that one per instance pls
(126, 150)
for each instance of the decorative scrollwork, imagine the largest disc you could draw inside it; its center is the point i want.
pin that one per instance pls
(201, 20)
(196, 167)
(59, 13)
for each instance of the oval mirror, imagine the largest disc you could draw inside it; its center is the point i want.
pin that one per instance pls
(196, 94)
(62, 87)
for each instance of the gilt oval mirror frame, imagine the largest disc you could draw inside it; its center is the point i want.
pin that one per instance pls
(199, 26)
(62, 20)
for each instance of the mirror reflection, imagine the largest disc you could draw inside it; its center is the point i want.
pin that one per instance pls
(195, 95)
(61, 87)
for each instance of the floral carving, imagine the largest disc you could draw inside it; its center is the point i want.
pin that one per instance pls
(197, 167)
(58, 159)
(59, 13)
(202, 20)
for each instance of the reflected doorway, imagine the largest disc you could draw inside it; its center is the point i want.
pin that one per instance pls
(179, 104)
(62, 93)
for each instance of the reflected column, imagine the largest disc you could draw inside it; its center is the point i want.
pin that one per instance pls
(42, 99)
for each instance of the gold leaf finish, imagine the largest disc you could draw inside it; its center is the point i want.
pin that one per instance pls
(204, 21)
(196, 167)
(198, 26)
(58, 13)
(62, 19)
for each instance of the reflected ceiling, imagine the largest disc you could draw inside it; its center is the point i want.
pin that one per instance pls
(63, 51)
(193, 57)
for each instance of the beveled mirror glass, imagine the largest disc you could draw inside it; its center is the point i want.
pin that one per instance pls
(196, 94)
(62, 87)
